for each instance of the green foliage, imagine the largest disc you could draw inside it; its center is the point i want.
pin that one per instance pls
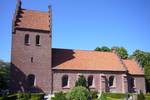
(4, 75)
(115, 95)
(79, 93)
(103, 48)
(147, 71)
(22, 96)
(94, 94)
(141, 56)
(147, 96)
(141, 96)
(59, 96)
(81, 81)
(122, 52)
(103, 97)
(144, 59)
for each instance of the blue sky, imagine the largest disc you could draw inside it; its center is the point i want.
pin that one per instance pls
(86, 24)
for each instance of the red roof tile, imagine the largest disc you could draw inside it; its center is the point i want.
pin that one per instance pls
(86, 60)
(133, 67)
(33, 20)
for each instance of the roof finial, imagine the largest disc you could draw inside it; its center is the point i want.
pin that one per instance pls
(50, 17)
(19, 4)
(49, 8)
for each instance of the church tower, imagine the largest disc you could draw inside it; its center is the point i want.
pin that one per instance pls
(31, 51)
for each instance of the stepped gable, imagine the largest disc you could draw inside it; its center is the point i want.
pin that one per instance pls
(32, 19)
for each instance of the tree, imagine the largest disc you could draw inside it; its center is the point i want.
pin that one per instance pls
(141, 56)
(103, 48)
(4, 75)
(121, 51)
(81, 81)
(97, 49)
(79, 93)
(144, 60)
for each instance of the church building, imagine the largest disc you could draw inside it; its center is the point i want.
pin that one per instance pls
(37, 67)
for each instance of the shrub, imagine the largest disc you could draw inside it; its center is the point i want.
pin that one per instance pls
(81, 81)
(37, 96)
(79, 93)
(59, 96)
(141, 96)
(115, 95)
(94, 94)
(103, 97)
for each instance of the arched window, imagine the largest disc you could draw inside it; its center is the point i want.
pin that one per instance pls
(111, 81)
(90, 80)
(31, 80)
(37, 39)
(26, 39)
(65, 81)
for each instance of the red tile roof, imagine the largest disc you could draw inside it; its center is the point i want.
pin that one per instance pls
(133, 67)
(86, 60)
(33, 20)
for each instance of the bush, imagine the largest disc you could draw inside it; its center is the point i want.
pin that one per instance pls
(37, 96)
(59, 96)
(81, 81)
(22, 96)
(115, 95)
(141, 96)
(94, 94)
(103, 97)
(79, 93)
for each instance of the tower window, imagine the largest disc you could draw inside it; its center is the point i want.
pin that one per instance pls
(90, 81)
(31, 80)
(37, 39)
(31, 59)
(65, 81)
(26, 39)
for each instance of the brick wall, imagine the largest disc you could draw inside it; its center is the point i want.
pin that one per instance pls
(22, 65)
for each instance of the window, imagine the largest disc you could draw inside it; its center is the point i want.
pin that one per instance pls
(31, 59)
(37, 39)
(111, 81)
(26, 39)
(90, 80)
(132, 82)
(31, 80)
(65, 81)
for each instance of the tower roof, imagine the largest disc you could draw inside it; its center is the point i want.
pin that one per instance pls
(31, 19)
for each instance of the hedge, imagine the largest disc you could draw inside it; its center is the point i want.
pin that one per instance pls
(115, 95)
(23, 96)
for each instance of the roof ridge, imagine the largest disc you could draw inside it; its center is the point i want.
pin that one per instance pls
(35, 10)
(121, 61)
(81, 50)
